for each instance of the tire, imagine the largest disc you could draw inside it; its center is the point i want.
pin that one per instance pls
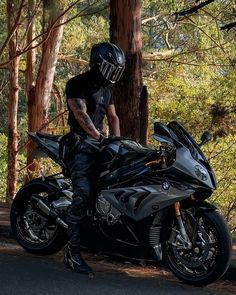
(21, 207)
(211, 251)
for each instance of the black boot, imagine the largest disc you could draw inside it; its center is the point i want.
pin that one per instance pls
(72, 257)
(74, 261)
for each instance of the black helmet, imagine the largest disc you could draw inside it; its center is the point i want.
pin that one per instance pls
(109, 60)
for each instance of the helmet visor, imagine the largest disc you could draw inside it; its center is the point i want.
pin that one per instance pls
(110, 71)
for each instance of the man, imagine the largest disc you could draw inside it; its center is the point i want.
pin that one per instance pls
(89, 100)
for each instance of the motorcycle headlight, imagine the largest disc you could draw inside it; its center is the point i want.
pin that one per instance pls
(201, 172)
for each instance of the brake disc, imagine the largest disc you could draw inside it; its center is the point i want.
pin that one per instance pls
(196, 256)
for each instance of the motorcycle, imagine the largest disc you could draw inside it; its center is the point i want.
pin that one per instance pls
(148, 200)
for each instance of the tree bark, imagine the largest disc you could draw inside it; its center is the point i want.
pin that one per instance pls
(12, 107)
(30, 83)
(39, 101)
(125, 31)
(45, 76)
(59, 106)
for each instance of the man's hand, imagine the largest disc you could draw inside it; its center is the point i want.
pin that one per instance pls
(101, 137)
(110, 139)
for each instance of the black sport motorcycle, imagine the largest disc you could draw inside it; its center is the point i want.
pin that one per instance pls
(149, 202)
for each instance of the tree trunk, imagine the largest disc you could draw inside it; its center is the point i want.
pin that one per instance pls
(59, 106)
(45, 77)
(12, 107)
(39, 102)
(30, 83)
(125, 31)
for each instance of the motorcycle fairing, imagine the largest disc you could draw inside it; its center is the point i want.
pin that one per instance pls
(49, 144)
(183, 169)
(141, 201)
(122, 160)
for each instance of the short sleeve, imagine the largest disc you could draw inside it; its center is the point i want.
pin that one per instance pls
(111, 100)
(73, 90)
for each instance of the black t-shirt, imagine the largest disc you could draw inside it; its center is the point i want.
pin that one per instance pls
(97, 99)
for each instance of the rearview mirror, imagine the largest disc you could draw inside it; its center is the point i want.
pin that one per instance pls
(206, 136)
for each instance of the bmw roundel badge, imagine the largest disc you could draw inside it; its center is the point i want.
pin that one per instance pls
(165, 185)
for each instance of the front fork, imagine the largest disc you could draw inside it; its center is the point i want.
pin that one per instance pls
(179, 238)
(182, 237)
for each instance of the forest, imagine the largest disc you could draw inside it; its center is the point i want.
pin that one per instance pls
(186, 51)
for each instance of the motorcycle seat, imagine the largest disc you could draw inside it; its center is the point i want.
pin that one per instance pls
(51, 137)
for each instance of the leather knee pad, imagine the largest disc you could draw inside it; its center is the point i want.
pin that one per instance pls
(77, 210)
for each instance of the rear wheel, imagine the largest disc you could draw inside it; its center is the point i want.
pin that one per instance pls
(208, 256)
(33, 231)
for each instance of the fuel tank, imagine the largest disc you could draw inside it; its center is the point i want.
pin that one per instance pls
(121, 160)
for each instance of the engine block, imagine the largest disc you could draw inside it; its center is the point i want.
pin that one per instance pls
(107, 211)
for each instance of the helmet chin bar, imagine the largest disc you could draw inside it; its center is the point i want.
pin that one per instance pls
(110, 71)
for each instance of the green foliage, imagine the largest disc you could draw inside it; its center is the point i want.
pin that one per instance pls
(222, 154)
(193, 81)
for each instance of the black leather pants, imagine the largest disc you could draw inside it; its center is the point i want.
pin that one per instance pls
(81, 166)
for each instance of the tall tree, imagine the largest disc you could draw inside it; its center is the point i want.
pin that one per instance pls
(30, 76)
(125, 31)
(39, 100)
(12, 102)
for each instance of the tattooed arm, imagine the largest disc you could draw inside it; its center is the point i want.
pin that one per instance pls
(79, 109)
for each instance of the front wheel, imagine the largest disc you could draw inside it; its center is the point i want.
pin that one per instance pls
(208, 256)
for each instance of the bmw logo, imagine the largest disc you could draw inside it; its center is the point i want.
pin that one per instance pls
(165, 185)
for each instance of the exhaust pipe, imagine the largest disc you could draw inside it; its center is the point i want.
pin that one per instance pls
(36, 201)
